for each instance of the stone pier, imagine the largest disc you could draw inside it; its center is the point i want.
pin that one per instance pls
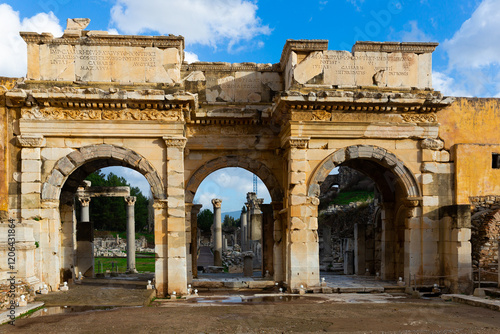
(217, 232)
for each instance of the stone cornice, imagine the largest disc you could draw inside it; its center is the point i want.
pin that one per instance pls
(230, 67)
(319, 105)
(303, 45)
(102, 39)
(394, 47)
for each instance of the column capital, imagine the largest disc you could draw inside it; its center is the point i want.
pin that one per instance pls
(217, 203)
(84, 201)
(160, 204)
(179, 142)
(31, 141)
(296, 142)
(130, 200)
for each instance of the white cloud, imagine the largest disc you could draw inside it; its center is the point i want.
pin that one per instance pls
(190, 57)
(415, 34)
(475, 44)
(474, 54)
(447, 85)
(202, 22)
(13, 58)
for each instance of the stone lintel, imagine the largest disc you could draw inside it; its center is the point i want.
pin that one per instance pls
(404, 47)
(104, 192)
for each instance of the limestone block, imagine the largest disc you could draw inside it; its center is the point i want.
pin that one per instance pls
(56, 178)
(30, 153)
(31, 166)
(65, 166)
(31, 177)
(403, 69)
(247, 87)
(310, 69)
(437, 168)
(371, 68)
(297, 200)
(30, 187)
(339, 68)
(49, 191)
(175, 180)
(299, 189)
(298, 154)
(55, 153)
(31, 200)
(427, 178)
(424, 70)
(297, 178)
(461, 235)
(299, 166)
(297, 224)
(430, 200)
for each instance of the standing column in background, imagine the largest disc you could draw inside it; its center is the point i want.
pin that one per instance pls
(217, 232)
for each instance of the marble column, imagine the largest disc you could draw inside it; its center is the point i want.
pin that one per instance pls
(85, 213)
(217, 232)
(130, 234)
(244, 226)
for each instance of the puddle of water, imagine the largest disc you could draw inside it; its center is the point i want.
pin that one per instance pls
(53, 310)
(245, 300)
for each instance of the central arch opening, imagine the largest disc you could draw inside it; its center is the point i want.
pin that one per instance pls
(235, 220)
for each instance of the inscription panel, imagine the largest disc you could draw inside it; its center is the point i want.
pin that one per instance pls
(109, 63)
(366, 69)
(242, 86)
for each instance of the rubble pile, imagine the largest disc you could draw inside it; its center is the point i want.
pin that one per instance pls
(232, 259)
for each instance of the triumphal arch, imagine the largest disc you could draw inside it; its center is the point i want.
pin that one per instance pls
(92, 100)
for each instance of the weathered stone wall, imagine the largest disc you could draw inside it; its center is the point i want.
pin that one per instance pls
(485, 236)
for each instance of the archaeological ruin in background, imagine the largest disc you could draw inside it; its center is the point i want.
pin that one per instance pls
(92, 100)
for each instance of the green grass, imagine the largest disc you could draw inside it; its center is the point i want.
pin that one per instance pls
(344, 198)
(142, 264)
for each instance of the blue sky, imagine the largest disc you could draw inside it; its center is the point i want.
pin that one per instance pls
(467, 62)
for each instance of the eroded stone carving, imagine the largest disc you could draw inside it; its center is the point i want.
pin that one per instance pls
(419, 118)
(108, 115)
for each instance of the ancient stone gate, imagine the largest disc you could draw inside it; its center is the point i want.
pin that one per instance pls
(92, 100)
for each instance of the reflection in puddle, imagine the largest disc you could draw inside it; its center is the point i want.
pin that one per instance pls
(53, 310)
(245, 300)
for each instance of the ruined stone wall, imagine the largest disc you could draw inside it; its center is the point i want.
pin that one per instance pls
(485, 238)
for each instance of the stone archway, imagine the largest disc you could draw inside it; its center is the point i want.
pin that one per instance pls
(112, 156)
(274, 254)
(401, 197)
(58, 194)
(254, 166)
(367, 152)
